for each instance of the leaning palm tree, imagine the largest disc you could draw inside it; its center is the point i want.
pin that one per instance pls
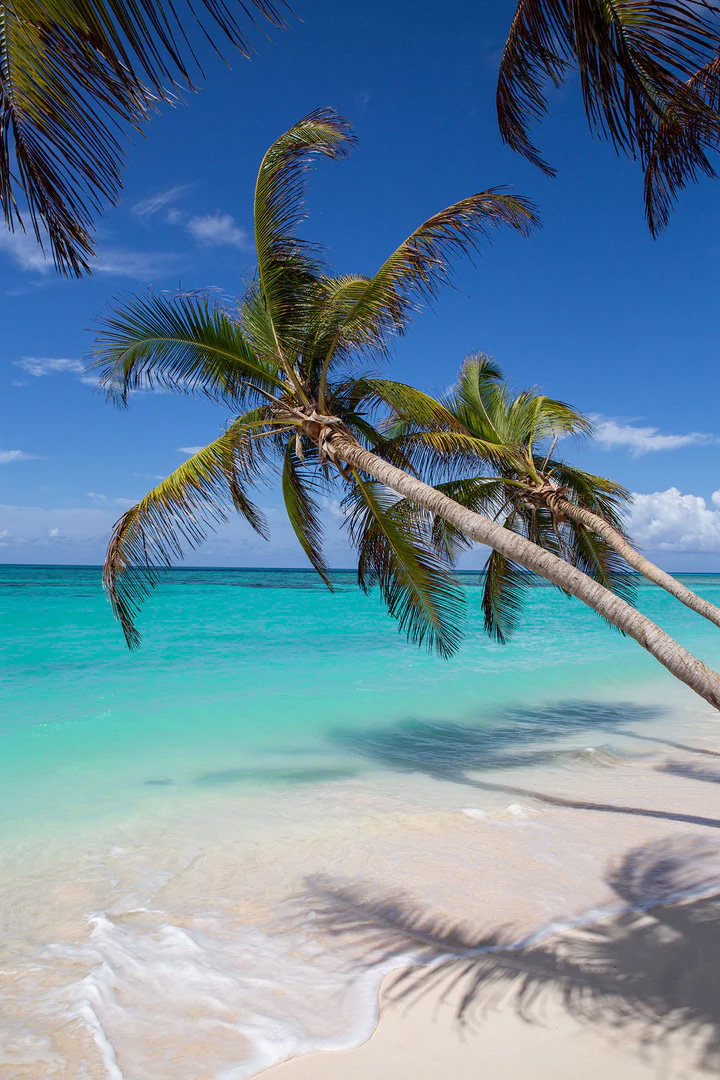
(649, 78)
(287, 361)
(75, 75)
(527, 486)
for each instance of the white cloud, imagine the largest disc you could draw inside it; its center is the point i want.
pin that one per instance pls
(671, 521)
(612, 434)
(189, 450)
(25, 251)
(147, 207)
(6, 456)
(144, 265)
(107, 500)
(216, 229)
(49, 365)
(54, 532)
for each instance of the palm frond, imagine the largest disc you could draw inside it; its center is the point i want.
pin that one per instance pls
(504, 590)
(182, 343)
(178, 513)
(422, 264)
(302, 511)
(288, 266)
(679, 153)
(481, 494)
(75, 80)
(641, 67)
(394, 554)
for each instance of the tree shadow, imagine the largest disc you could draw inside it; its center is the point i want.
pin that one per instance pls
(651, 971)
(690, 770)
(451, 752)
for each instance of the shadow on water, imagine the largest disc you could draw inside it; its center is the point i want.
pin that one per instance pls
(690, 770)
(275, 776)
(652, 973)
(450, 752)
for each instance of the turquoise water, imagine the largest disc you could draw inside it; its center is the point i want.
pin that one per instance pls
(162, 808)
(251, 670)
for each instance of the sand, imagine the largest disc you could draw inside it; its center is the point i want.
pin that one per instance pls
(635, 997)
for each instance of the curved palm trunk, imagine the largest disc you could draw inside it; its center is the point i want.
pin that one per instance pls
(678, 661)
(633, 558)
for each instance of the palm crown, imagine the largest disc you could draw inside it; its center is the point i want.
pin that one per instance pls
(517, 478)
(289, 361)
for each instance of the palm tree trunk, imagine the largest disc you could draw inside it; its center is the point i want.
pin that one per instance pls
(633, 558)
(678, 661)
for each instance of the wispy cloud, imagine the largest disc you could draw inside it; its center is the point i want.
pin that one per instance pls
(108, 500)
(145, 208)
(40, 366)
(24, 251)
(7, 456)
(142, 265)
(671, 521)
(50, 365)
(189, 450)
(612, 434)
(218, 229)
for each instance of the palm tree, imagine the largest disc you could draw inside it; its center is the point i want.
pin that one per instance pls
(75, 75)
(649, 78)
(573, 513)
(286, 359)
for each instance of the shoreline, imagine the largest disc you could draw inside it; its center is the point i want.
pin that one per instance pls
(633, 991)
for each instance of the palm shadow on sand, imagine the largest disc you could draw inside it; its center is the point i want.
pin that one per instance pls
(451, 752)
(649, 973)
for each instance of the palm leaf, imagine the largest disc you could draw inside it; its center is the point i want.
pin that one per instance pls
(302, 510)
(178, 513)
(504, 590)
(640, 66)
(182, 343)
(288, 266)
(422, 264)
(75, 79)
(394, 554)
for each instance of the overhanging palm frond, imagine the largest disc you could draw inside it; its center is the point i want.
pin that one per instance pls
(303, 511)
(178, 514)
(647, 77)
(393, 554)
(76, 77)
(679, 152)
(182, 343)
(288, 266)
(504, 591)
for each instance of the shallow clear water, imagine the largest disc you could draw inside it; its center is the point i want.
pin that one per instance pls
(163, 810)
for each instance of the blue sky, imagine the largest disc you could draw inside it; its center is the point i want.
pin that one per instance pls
(590, 309)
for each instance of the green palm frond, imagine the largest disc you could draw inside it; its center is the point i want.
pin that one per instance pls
(422, 264)
(604, 497)
(395, 555)
(504, 588)
(288, 267)
(76, 78)
(179, 513)
(596, 558)
(482, 494)
(303, 511)
(182, 343)
(647, 78)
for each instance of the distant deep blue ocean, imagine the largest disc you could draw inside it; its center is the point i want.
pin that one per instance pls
(161, 807)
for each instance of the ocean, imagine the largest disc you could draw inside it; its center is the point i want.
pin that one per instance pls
(187, 827)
